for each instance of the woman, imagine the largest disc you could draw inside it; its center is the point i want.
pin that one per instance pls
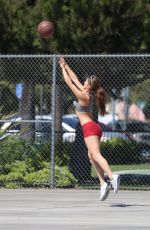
(91, 130)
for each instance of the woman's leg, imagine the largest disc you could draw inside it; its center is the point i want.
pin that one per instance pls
(98, 169)
(98, 162)
(93, 146)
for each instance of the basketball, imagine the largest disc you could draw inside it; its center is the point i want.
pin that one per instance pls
(45, 29)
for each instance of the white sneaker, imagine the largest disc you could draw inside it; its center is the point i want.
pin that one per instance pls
(104, 192)
(115, 182)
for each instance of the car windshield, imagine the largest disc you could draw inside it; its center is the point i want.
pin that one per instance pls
(73, 122)
(131, 126)
(137, 127)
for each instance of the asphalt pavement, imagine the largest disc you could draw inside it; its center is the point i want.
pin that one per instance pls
(69, 209)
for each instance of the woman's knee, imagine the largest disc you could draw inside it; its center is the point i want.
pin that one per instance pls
(95, 155)
(89, 156)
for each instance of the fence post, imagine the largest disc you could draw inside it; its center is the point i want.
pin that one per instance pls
(126, 100)
(53, 112)
(113, 109)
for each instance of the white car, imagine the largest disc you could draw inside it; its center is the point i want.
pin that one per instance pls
(43, 127)
(69, 125)
(106, 135)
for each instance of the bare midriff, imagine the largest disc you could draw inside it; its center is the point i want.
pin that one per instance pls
(84, 117)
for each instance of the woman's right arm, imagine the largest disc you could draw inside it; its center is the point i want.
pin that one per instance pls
(76, 91)
(72, 75)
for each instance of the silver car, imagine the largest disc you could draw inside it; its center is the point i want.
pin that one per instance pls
(140, 131)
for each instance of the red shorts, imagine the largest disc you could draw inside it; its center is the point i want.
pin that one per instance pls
(91, 128)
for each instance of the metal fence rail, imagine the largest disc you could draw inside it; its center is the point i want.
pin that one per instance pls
(41, 141)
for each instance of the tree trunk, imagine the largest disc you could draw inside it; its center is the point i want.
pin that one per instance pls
(28, 111)
(59, 112)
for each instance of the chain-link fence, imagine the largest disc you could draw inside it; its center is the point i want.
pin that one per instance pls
(41, 141)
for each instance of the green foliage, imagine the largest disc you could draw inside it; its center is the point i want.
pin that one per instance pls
(62, 152)
(2, 179)
(26, 177)
(64, 178)
(14, 172)
(12, 185)
(11, 150)
(21, 167)
(18, 28)
(8, 100)
(38, 178)
(119, 151)
(26, 164)
(14, 176)
(14, 148)
(114, 26)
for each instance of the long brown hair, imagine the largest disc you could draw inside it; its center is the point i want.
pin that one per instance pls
(99, 93)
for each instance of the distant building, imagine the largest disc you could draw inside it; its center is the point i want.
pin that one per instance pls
(134, 112)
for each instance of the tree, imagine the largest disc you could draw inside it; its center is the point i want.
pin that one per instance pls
(84, 26)
(87, 26)
(29, 71)
(8, 100)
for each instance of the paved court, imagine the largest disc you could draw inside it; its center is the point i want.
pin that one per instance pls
(40, 209)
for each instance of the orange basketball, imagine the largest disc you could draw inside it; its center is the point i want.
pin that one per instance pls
(45, 29)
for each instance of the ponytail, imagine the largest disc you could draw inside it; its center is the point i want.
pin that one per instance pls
(99, 93)
(101, 100)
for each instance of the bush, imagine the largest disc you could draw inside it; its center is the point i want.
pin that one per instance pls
(11, 185)
(62, 152)
(38, 178)
(2, 179)
(14, 172)
(11, 180)
(21, 174)
(119, 151)
(21, 167)
(11, 150)
(14, 177)
(14, 148)
(28, 164)
(64, 178)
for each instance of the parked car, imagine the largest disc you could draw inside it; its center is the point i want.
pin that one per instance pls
(69, 125)
(139, 130)
(145, 156)
(109, 134)
(42, 127)
(106, 135)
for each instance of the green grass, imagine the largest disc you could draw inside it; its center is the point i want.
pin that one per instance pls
(126, 167)
(130, 167)
(143, 167)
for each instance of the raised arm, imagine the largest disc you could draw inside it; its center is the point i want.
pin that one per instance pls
(76, 91)
(72, 75)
